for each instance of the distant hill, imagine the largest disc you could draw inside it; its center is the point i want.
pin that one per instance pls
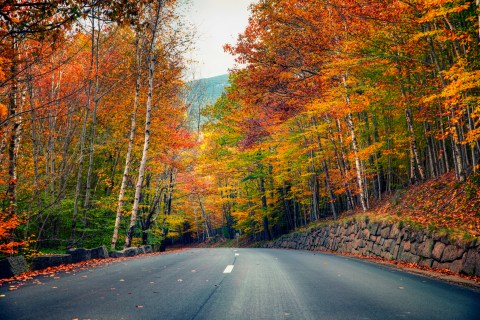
(201, 93)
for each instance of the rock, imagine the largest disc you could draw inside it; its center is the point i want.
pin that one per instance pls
(364, 234)
(438, 251)
(147, 248)
(426, 262)
(377, 249)
(414, 247)
(456, 266)
(373, 228)
(140, 250)
(408, 257)
(387, 245)
(129, 252)
(452, 253)
(79, 254)
(12, 266)
(99, 253)
(471, 259)
(396, 250)
(385, 232)
(416, 236)
(394, 231)
(51, 260)
(359, 243)
(117, 254)
(425, 249)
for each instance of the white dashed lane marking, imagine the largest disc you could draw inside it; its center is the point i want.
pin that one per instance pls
(228, 269)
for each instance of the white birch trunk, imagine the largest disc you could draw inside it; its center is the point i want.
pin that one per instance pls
(358, 165)
(143, 162)
(128, 159)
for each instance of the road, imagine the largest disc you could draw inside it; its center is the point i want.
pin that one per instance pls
(244, 284)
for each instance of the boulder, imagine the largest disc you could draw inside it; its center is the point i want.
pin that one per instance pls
(79, 254)
(99, 253)
(373, 228)
(50, 260)
(452, 253)
(117, 254)
(472, 259)
(438, 251)
(129, 252)
(408, 257)
(140, 250)
(147, 248)
(385, 232)
(394, 231)
(425, 249)
(12, 266)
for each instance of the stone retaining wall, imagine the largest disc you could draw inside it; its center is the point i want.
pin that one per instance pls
(15, 265)
(390, 241)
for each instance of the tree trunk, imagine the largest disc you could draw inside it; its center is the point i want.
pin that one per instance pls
(358, 168)
(128, 158)
(12, 145)
(413, 143)
(143, 162)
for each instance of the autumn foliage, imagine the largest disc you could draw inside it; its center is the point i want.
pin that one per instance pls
(338, 105)
(334, 107)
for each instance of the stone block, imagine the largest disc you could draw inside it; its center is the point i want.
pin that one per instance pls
(369, 246)
(51, 260)
(12, 266)
(472, 259)
(385, 232)
(373, 228)
(452, 253)
(352, 229)
(129, 252)
(456, 266)
(364, 234)
(416, 236)
(117, 254)
(377, 249)
(438, 251)
(408, 257)
(99, 253)
(426, 262)
(394, 231)
(425, 249)
(387, 244)
(414, 247)
(79, 254)
(359, 243)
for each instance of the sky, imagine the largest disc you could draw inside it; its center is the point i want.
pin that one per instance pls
(217, 22)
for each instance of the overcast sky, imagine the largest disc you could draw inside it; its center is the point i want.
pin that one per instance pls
(217, 22)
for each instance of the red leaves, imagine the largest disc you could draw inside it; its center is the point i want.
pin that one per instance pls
(441, 203)
(8, 224)
(68, 268)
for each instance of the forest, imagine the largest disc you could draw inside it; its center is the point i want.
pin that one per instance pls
(334, 107)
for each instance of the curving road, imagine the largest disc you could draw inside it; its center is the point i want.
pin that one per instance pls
(244, 284)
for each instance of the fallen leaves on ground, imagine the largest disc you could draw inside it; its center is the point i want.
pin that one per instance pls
(441, 203)
(51, 272)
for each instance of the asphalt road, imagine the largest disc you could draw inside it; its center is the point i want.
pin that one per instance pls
(262, 284)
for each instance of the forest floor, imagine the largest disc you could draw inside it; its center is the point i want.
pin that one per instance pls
(442, 205)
